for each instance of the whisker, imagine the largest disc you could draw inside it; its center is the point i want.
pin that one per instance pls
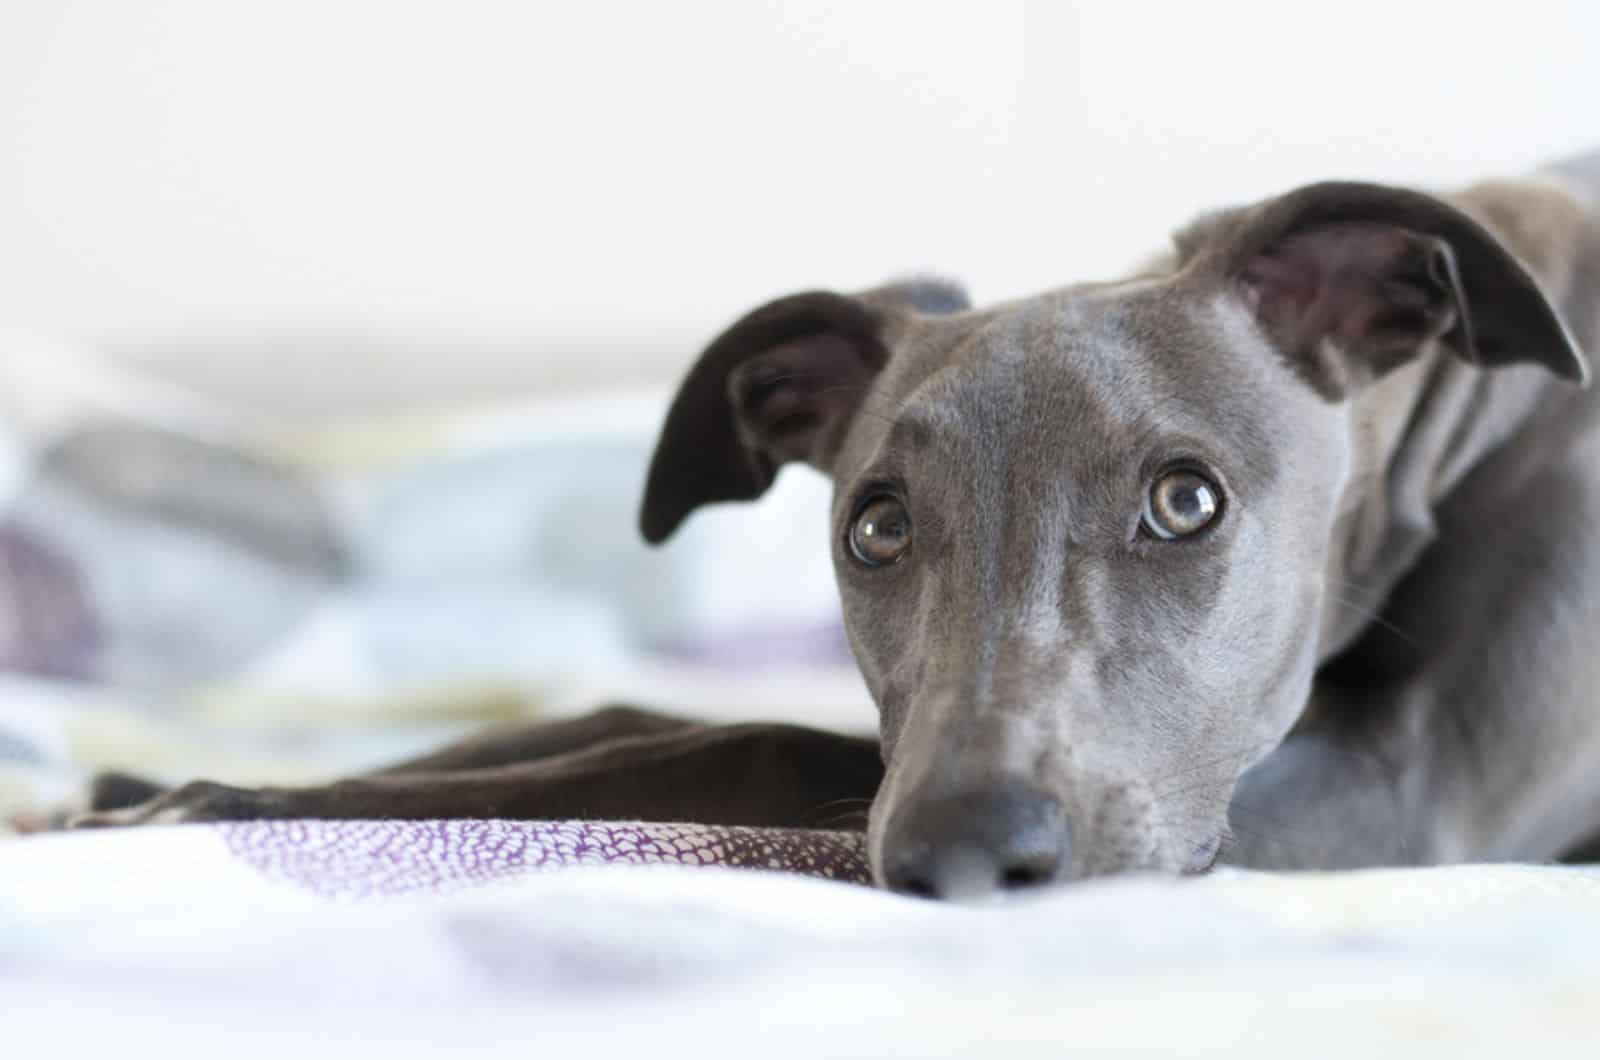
(852, 801)
(854, 820)
(1220, 760)
(1371, 615)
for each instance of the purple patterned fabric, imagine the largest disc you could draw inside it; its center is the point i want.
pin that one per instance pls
(364, 859)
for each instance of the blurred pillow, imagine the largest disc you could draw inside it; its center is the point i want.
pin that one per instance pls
(153, 542)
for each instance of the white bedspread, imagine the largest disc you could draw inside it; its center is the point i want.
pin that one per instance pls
(167, 942)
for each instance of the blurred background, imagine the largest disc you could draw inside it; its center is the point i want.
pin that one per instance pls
(322, 205)
(335, 331)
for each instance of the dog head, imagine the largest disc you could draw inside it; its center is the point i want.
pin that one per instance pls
(1082, 538)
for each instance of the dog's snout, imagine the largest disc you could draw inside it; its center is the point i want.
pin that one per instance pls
(971, 845)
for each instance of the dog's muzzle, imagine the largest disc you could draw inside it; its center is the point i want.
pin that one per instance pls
(969, 845)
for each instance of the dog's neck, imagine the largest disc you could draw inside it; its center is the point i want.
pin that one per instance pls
(1418, 434)
(1415, 436)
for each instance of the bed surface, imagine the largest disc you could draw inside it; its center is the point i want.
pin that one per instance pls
(429, 938)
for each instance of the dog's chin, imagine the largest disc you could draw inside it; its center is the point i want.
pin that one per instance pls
(1147, 850)
(1188, 858)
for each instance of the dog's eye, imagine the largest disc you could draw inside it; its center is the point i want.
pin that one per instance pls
(881, 533)
(1180, 503)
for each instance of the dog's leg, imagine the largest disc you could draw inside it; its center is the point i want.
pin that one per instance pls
(1327, 798)
(763, 775)
(528, 743)
(1465, 725)
(118, 790)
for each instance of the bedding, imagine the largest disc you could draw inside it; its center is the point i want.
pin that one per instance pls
(423, 939)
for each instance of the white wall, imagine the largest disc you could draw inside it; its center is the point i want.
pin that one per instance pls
(270, 198)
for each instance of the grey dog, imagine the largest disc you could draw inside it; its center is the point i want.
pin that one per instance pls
(1282, 551)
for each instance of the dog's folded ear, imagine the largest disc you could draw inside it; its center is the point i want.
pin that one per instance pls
(1351, 280)
(783, 383)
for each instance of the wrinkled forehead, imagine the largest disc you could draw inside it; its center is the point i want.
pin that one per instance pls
(1102, 374)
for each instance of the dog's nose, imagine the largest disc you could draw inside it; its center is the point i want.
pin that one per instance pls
(973, 844)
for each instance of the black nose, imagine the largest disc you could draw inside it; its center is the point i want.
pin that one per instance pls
(972, 844)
